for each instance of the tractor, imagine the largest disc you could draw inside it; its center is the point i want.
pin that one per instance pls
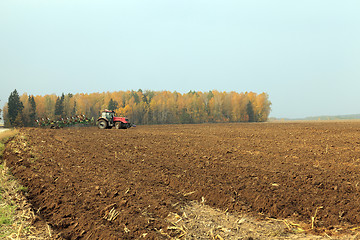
(108, 120)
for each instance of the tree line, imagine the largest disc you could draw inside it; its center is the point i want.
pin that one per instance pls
(141, 107)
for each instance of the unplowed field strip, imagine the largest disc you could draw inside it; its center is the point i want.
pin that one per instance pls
(122, 184)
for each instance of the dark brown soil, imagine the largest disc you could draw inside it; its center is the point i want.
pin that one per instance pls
(122, 184)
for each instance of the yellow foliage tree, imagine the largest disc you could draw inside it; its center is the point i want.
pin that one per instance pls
(160, 107)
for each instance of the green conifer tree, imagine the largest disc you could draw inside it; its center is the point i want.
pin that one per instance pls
(32, 112)
(113, 105)
(15, 107)
(59, 106)
(250, 112)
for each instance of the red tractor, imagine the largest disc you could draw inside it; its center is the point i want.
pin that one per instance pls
(108, 120)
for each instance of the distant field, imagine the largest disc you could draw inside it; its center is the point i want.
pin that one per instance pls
(339, 117)
(128, 181)
(326, 118)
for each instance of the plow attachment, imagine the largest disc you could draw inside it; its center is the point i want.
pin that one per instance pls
(64, 122)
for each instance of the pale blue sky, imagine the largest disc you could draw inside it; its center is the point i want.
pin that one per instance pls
(304, 54)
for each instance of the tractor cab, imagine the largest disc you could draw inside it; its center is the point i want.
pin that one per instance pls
(109, 115)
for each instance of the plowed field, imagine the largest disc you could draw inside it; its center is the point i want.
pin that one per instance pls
(122, 184)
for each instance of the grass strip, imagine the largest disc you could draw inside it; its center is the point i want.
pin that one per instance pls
(7, 206)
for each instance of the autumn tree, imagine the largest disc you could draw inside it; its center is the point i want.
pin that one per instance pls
(263, 107)
(68, 104)
(49, 104)
(151, 107)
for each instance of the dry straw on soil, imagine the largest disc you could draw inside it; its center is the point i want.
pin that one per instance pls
(199, 221)
(18, 219)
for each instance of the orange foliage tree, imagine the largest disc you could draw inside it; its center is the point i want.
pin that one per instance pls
(158, 107)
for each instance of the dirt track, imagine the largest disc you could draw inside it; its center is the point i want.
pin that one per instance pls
(122, 184)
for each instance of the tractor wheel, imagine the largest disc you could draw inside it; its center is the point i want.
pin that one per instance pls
(118, 125)
(102, 124)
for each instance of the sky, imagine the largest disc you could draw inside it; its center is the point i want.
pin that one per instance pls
(304, 54)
